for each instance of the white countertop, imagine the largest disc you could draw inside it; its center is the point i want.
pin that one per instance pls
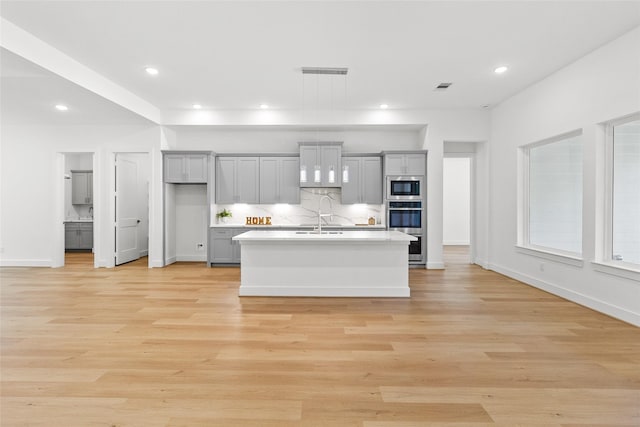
(309, 226)
(345, 236)
(79, 220)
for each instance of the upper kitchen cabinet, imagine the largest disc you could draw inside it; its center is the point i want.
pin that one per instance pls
(279, 179)
(362, 180)
(237, 179)
(81, 187)
(320, 164)
(405, 163)
(186, 168)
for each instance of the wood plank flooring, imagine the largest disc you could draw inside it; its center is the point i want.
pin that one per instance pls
(133, 346)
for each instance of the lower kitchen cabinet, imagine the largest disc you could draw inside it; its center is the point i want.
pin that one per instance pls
(223, 250)
(78, 236)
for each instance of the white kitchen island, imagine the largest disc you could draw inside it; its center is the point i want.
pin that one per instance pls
(331, 264)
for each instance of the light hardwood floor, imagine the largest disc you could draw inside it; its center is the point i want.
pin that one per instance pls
(133, 346)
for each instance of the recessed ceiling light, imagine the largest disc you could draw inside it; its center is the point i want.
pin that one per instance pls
(197, 106)
(264, 106)
(152, 71)
(384, 106)
(61, 107)
(500, 69)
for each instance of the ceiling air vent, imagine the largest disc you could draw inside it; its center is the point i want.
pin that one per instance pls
(443, 86)
(324, 70)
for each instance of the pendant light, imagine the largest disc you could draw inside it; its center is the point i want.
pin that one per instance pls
(345, 173)
(303, 173)
(331, 177)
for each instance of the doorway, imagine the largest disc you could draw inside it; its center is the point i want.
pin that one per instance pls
(78, 208)
(131, 206)
(457, 233)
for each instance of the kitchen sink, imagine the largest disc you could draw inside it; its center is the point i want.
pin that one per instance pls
(315, 232)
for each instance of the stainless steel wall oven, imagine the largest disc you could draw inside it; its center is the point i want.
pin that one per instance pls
(407, 216)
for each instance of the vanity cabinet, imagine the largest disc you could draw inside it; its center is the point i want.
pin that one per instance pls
(320, 164)
(81, 187)
(223, 249)
(279, 179)
(364, 183)
(78, 236)
(404, 163)
(237, 180)
(186, 168)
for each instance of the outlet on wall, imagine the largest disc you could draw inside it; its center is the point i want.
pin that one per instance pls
(199, 246)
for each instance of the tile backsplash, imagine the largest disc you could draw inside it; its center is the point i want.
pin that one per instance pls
(306, 212)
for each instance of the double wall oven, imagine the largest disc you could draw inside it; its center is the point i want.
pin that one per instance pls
(405, 202)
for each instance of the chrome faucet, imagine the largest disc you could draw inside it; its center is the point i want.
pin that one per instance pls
(322, 215)
(91, 212)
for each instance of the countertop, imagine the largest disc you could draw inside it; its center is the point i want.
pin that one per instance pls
(345, 236)
(79, 220)
(304, 226)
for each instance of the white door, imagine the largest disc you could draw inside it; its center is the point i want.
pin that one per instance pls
(127, 216)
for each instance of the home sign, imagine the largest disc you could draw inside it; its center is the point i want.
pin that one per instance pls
(258, 220)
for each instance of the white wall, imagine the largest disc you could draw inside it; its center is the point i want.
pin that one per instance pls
(602, 86)
(456, 206)
(277, 140)
(31, 231)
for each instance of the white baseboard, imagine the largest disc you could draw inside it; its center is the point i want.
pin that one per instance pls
(191, 258)
(482, 263)
(587, 301)
(456, 243)
(156, 263)
(25, 263)
(170, 260)
(144, 253)
(435, 265)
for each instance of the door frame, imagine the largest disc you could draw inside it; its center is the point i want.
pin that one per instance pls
(472, 196)
(59, 216)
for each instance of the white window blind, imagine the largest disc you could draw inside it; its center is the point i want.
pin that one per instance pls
(555, 195)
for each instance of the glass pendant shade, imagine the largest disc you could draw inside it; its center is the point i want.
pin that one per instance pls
(332, 175)
(345, 174)
(316, 174)
(303, 173)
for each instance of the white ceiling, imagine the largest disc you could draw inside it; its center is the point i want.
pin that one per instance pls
(234, 55)
(28, 95)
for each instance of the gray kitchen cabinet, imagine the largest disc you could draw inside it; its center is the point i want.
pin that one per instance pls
(404, 163)
(78, 236)
(223, 249)
(186, 168)
(325, 156)
(365, 180)
(279, 179)
(81, 187)
(237, 179)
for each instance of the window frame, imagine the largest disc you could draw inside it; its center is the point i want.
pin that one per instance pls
(524, 244)
(605, 257)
